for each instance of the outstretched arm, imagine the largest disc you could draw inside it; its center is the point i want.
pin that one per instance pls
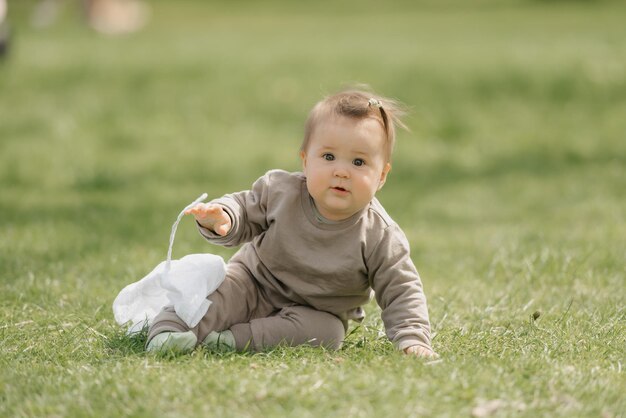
(211, 216)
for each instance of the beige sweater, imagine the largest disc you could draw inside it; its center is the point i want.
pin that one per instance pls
(330, 266)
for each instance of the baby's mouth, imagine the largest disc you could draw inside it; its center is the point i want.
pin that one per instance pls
(340, 189)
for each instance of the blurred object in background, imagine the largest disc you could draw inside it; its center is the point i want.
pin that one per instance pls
(4, 29)
(108, 17)
(114, 17)
(45, 13)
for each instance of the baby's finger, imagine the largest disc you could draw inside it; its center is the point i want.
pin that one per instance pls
(222, 229)
(193, 209)
(420, 351)
(201, 209)
(196, 208)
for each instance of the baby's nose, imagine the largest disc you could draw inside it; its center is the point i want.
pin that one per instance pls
(341, 172)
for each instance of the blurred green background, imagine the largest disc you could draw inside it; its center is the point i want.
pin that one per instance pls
(517, 117)
(511, 184)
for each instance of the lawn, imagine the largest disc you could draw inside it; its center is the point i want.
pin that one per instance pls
(510, 185)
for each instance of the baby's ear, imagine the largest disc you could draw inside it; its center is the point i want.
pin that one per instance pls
(303, 158)
(383, 175)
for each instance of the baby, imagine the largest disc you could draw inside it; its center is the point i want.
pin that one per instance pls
(315, 245)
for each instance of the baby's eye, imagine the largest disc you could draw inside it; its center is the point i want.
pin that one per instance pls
(328, 156)
(358, 162)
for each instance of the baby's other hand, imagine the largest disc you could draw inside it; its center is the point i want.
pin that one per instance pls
(420, 351)
(211, 217)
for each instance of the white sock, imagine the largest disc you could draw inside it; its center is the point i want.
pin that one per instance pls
(220, 340)
(178, 342)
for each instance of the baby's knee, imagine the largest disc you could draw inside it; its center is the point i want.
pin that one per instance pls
(333, 335)
(328, 330)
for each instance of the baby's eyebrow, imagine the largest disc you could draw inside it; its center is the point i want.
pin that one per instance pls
(364, 153)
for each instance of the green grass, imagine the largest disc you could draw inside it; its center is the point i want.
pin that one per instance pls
(511, 187)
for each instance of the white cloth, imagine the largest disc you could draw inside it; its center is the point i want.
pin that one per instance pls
(183, 284)
(187, 284)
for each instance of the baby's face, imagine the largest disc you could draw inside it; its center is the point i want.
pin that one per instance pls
(345, 165)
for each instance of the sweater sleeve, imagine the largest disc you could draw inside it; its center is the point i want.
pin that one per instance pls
(247, 211)
(399, 291)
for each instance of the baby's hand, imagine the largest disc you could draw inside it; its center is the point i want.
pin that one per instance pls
(211, 217)
(420, 351)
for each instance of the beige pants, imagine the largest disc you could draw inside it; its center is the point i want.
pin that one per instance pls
(258, 318)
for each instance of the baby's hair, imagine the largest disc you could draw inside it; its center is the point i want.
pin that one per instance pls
(358, 104)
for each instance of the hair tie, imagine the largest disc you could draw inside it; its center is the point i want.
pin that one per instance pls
(374, 102)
